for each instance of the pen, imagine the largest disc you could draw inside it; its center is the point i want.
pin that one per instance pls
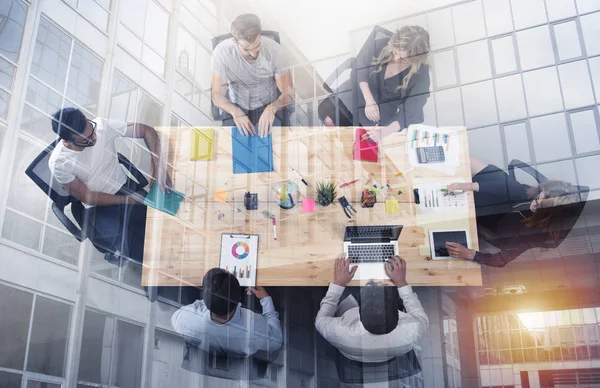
(291, 199)
(300, 177)
(274, 229)
(348, 183)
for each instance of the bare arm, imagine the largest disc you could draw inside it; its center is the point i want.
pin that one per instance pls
(285, 86)
(366, 91)
(217, 93)
(80, 191)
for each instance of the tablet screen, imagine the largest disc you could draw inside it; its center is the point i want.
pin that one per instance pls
(440, 239)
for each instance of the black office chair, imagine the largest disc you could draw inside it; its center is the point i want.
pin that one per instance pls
(355, 372)
(39, 172)
(217, 113)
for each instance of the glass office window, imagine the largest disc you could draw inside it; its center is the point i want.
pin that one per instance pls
(10, 380)
(542, 90)
(21, 230)
(528, 13)
(12, 19)
(444, 68)
(7, 73)
(483, 144)
(15, 310)
(510, 98)
(504, 54)
(474, 62)
(95, 12)
(587, 171)
(48, 343)
(479, 104)
(517, 142)
(563, 171)
(594, 64)
(127, 369)
(51, 55)
(96, 348)
(440, 28)
(469, 23)
(41, 384)
(590, 26)
(567, 40)
(550, 137)
(535, 48)
(560, 9)
(4, 104)
(449, 107)
(60, 245)
(585, 131)
(498, 17)
(85, 71)
(585, 6)
(576, 85)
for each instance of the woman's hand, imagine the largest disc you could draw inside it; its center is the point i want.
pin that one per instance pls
(460, 251)
(372, 111)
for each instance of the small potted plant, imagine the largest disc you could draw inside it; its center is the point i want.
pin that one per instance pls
(326, 193)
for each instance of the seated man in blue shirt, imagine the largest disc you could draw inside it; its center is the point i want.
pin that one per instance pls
(373, 330)
(219, 320)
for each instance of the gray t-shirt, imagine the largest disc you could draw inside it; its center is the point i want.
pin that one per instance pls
(251, 85)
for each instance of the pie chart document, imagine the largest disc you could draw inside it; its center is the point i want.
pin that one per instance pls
(239, 255)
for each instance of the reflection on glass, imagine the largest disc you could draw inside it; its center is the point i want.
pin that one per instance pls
(60, 245)
(41, 384)
(498, 18)
(510, 98)
(517, 142)
(4, 104)
(10, 380)
(96, 348)
(535, 48)
(576, 85)
(503, 52)
(449, 107)
(567, 40)
(12, 16)
(83, 87)
(468, 22)
(585, 131)
(15, 309)
(440, 27)
(589, 27)
(474, 62)
(480, 104)
(42, 97)
(48, 343)
(587, 171)
(445, 68)
(7, 72)
(528, 13)
(52, 48)
(560, 9)
(542, 91)
(550, 137)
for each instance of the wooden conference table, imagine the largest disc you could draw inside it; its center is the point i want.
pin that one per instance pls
(180, 249)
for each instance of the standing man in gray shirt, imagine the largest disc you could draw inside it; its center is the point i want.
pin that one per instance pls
(253, 68)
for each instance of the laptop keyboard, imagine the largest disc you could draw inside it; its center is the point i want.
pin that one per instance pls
(376, 253)
(368, 231)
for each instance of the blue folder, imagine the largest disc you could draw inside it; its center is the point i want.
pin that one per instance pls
(165, 202)
(251, 153)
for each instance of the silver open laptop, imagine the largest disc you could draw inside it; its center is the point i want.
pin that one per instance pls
(370, 247)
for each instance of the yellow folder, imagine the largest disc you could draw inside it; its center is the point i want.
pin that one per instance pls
(202, 144)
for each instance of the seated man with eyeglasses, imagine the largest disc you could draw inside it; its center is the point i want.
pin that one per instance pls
(85, 162)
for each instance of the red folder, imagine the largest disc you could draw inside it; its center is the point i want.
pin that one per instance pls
(365, 150)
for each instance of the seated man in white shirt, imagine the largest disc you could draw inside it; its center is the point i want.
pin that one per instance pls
(85, 162)
(219, 321)
(373, 330)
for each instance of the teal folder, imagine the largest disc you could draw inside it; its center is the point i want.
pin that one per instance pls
(165, 202)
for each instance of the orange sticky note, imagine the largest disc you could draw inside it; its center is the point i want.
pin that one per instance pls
(221, 196)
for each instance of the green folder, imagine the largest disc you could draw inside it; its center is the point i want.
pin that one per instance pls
(165, 202)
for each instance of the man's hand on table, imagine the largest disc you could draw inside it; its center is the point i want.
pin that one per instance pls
(342, 274)
(243, 123)
(395, 268)
(260, 292)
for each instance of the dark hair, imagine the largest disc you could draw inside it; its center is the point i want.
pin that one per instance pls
(69, 122)
(246, 26)
(378, 308)
(221, 291)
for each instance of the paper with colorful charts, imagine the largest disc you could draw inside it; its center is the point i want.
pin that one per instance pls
(239, 255)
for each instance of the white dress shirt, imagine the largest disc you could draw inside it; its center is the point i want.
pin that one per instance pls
(348, 334)
(247, 332)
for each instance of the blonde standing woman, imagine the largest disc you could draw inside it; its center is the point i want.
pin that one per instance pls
(393, 77)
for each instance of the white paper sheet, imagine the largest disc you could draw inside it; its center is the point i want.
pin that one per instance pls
(433, 137)
(239, 256)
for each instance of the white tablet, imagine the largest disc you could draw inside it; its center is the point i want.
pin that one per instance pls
(438, 239)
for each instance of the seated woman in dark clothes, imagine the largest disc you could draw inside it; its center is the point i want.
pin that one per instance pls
(393, 77)
(546, 223)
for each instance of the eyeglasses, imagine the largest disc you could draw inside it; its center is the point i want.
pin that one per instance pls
(87, 140)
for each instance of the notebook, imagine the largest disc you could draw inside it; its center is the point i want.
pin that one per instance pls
(201, 147)
(165, 202)
(239, 255)
(251, 154)
(365, 150)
